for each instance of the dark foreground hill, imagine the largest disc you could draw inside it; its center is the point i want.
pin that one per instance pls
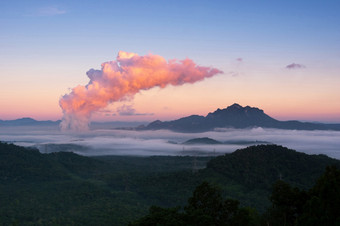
(68, 189)
(292, 206)
(262, 165)
(234, 116)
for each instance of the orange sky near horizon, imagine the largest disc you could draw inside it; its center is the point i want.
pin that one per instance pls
(282, 100)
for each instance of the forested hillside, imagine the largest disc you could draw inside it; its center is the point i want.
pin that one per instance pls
(289, 206)
(65, 188)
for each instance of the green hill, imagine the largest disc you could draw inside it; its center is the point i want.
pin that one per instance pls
(262, 165)
(248, 174)
(61, 189)
(67, 189)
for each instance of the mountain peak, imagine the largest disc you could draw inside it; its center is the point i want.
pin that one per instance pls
(237, 109)
(25, 119)
(234, 116)
(235, 106)
(239, 117)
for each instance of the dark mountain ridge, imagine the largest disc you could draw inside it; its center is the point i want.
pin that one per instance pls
(27, 122)
(202, 140)
(235, 116)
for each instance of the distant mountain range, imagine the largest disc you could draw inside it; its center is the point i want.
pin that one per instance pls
(94, 125)
(235, 116)
(27, 122)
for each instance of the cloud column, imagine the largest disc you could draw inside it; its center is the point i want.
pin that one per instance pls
(123, 78)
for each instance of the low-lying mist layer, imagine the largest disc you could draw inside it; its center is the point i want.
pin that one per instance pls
(161, 142)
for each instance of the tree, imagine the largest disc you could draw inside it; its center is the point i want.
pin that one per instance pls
(319, 206)
(323, 207)
(206, 207)
(159, 216)
(287, 204)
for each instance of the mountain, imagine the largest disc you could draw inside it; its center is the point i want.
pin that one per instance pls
(261, 165)
(202, 140)
(67, 189)
(27, 122)
(94, 125)
(235, 116)
(64, 188)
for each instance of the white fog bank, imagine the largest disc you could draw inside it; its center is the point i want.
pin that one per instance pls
(161, 142)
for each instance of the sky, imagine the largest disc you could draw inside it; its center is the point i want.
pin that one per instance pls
(280, 56)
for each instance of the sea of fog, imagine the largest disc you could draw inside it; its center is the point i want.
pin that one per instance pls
(102, 141)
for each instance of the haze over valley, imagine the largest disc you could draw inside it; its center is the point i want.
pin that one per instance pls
(164, 142)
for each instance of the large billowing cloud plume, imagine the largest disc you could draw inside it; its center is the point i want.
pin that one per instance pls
(122, 79)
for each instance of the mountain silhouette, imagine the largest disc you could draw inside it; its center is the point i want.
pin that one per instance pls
(202, 140)
(27, 122)
(235, 116)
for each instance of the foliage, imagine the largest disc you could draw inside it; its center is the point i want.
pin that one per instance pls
(262, 165)
(205, 207)
(290, 206)
(323, 205)
(68, 189)
(319, 206)
(161, 216)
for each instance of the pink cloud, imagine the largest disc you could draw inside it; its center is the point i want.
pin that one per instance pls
(121, 79)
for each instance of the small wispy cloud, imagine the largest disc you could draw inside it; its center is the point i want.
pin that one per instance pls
(50, 11)
(110, 114)
(233, 73)
(106, 112)
(128, 110)
(237, 64)
(295, 66)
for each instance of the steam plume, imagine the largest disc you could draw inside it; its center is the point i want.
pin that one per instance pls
(122, 79)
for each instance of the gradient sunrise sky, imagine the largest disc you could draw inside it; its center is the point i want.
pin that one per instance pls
(280, 56)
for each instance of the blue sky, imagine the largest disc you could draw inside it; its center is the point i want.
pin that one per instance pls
(47, 47)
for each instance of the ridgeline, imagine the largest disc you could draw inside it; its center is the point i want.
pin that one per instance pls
(67, 189)
(234, 116)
